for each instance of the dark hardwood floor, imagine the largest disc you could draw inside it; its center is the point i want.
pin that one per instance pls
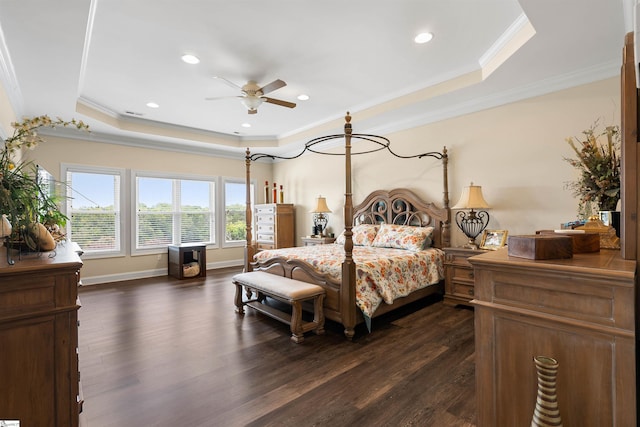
(166, 352)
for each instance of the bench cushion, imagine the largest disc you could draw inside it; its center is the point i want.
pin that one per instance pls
(283, 287)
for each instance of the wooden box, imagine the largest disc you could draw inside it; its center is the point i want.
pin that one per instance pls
(582, 242)
(540, 246)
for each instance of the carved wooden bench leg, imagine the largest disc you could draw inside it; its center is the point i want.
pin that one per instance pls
(297, 334)
(318, 314)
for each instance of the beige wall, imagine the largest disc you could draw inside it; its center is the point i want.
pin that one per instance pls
(515, 152)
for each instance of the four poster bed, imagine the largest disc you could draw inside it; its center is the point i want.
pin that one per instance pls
(388, 255)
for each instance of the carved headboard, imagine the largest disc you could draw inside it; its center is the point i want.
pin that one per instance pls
(401, 206)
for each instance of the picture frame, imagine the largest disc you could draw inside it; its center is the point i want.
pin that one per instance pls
(493, 239)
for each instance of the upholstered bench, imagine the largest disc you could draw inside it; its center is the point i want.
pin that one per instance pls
(291, 291)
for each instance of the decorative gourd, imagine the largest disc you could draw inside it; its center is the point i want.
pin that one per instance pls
(5, 227)
(39, 238)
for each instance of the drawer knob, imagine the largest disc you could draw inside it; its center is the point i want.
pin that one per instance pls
(471, 275)
(470, 291)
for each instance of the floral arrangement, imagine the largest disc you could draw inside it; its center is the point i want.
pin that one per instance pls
(598, 163)
(22, 198)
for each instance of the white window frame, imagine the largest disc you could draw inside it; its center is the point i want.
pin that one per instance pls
(222, 231)
(121, 226)
(135, 174)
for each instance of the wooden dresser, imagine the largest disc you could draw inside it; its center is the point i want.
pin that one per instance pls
(579, 311)
(39, 338)
(274, 226)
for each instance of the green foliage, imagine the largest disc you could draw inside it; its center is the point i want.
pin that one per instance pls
(22, 198)
(236, 228)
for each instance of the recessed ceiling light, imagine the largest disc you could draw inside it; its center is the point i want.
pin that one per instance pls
(152, 105)
(423, 38)
(190, 59)
(303, 97)
(246, 125)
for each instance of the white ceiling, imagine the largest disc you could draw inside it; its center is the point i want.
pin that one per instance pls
(101, 61)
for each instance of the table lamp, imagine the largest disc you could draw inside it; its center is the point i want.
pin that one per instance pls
(472, 223)
(319, 215)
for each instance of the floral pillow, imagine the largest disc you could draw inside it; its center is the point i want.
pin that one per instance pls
(363, 235)
(403, 237)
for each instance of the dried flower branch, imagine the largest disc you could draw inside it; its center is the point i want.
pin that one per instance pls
(599, 167)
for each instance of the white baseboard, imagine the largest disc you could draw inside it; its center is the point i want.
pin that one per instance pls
(120, 277)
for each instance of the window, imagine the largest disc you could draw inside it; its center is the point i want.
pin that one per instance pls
(173, 210)
(235, 211)
(94, 207)
(154, 220)
(197, 222)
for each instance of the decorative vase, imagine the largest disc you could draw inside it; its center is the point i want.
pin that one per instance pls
(546, 412)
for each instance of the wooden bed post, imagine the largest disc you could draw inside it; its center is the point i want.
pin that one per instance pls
(348, 291)
(446, 230)
(249, 250)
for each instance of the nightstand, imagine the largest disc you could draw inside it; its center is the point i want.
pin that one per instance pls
(459, 280)
(312, 241)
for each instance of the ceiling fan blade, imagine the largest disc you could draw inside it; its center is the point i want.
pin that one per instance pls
(279, 102)
(229, 82)
(215, 98)
(276, 84)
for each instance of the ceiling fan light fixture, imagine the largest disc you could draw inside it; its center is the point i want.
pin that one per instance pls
(251, 102)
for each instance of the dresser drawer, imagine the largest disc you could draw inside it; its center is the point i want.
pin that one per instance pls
(266, 219)
(20, 296)
(265, 228)
(463, 274)
(458, 260)
(462, 289)
(265, 237)
(265, 210)
(262, 246)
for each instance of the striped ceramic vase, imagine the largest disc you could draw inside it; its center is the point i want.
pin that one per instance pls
(546, 412)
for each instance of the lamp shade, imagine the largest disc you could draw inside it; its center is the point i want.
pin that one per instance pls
(321, 206)
(471, 198)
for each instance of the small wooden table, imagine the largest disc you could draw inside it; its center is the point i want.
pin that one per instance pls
(312, 240)
(185, 253)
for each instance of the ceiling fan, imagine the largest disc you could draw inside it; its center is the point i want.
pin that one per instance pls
(253, 95)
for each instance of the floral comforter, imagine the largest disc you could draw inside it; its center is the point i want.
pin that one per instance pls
(382, 274)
